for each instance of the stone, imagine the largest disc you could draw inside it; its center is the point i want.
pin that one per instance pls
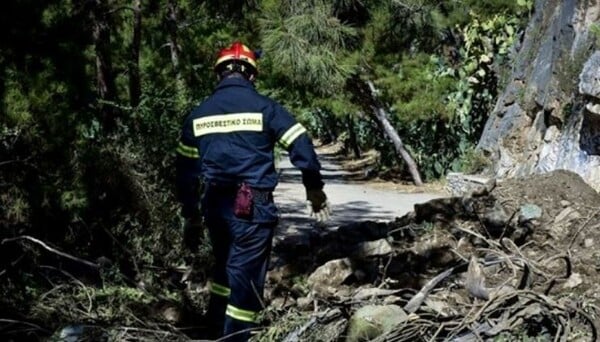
(171, 314)
(440, 308)
(372, 321)
(551, 134)
(304, 303)
(374, 248)
(282, 303)
(593, 108)
(328, 277)
(495, 219)
(589, 79)
(460, 184)
(281, 273)
(80, 332)
(529, 212)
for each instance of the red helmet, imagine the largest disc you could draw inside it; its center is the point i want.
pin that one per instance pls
(238, 55)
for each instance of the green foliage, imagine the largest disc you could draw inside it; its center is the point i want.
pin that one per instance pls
(17, 105)
(460, 12)
(288, 321)
(595, 31)
(471, 161)
(413, 89)
(307, 45)
(485, 43)
(468, 104)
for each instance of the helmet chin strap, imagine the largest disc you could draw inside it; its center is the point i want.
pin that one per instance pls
(237, 68)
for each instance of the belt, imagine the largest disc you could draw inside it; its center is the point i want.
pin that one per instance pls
(259, 195)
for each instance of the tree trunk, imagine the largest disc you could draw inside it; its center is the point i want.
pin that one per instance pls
(352, 137)
(106, 86)
(135, 87)
(2, 85)
(326, 124)
(172, 15)
(391, 133)
(366, 94)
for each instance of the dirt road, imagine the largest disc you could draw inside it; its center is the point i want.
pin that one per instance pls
(350, 200)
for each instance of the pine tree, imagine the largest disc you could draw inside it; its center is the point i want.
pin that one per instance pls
(313, 49)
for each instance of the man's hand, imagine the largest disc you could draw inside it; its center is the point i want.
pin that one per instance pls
(317, 204)
(192, 229)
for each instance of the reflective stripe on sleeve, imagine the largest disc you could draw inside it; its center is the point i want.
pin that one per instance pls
(291, 134)
(241, 315)
(220, 290)
(188, 151)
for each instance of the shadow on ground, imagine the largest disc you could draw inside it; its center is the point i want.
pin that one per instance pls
(296, 214)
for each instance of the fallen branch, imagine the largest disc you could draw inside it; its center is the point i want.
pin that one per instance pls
(78, 282)
(475, 280)
(509, 311)
(568, 272)
(415, 302)
(582, 227)
(12, 321)
(50, 249)
(6, 162)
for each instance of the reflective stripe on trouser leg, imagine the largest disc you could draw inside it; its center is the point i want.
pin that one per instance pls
(219, 290)
(219, 287)
(246, 270)
(217, 304)
(241, 314)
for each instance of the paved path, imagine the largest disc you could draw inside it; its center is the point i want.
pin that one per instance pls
(350, 200)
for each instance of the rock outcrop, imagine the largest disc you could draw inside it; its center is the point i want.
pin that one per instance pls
(548, 117)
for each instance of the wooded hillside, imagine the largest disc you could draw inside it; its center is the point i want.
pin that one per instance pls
(93, 93)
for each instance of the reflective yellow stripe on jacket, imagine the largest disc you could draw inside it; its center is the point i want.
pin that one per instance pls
(291, 134)
(188, 151)
(241, 314)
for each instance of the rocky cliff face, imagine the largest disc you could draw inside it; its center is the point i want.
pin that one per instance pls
(548, 117)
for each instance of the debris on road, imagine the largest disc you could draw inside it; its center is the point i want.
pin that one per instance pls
(512, 261)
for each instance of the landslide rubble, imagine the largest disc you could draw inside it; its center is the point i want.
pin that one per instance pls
(512, 260)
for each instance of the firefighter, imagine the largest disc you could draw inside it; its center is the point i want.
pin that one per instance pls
(225, 179)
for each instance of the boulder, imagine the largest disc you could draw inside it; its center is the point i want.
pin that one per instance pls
(325, 279)
(374, 248)
(529, 212)
(372, 321)
(460, 184)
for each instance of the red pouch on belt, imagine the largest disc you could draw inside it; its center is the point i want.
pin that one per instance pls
(244, 205)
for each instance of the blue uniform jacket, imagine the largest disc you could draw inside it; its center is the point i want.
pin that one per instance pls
(229, 139)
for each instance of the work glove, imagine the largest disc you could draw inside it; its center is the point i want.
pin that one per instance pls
(192, 230)
(317, 204)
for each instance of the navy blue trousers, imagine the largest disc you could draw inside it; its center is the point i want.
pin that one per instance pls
(241, 250)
